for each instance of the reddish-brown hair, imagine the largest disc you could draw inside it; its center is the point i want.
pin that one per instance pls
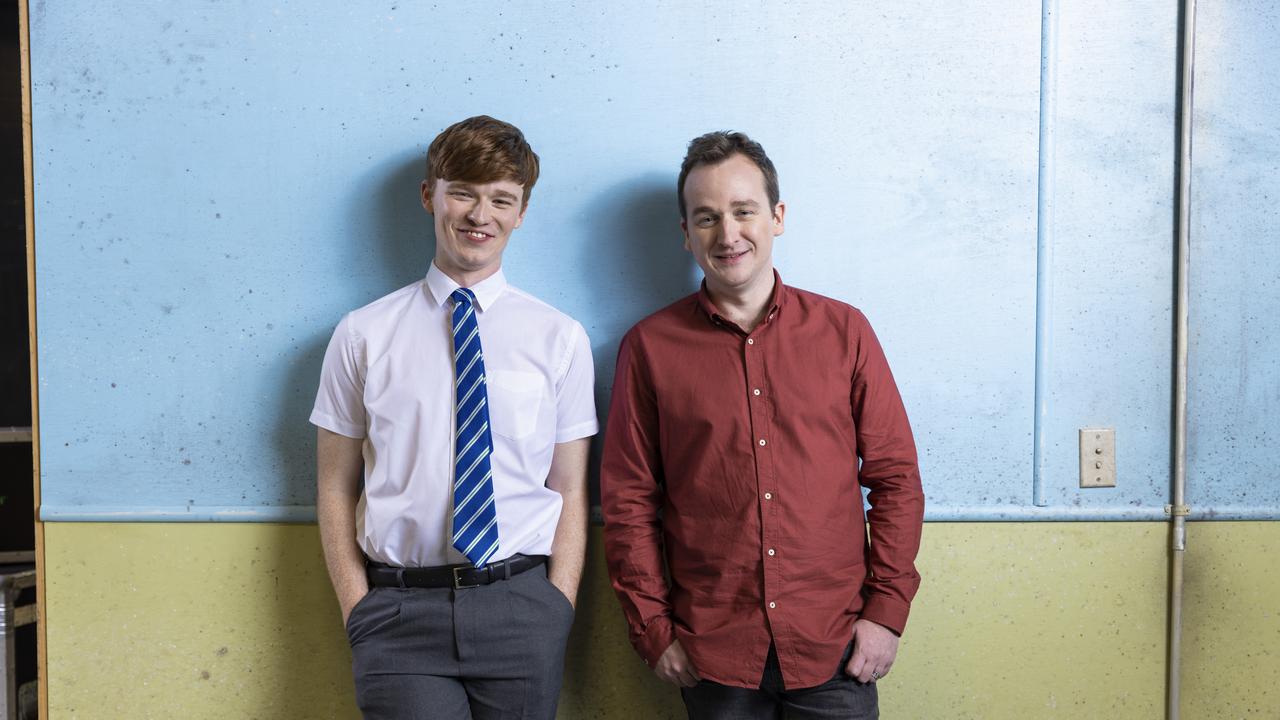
(481, 149)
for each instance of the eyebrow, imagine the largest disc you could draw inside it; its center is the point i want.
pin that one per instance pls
(735, 204)
(469, 187)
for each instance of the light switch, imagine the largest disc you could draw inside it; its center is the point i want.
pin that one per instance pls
(1097, 457)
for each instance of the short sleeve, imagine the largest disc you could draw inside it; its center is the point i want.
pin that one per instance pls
(340, 401)
(575, 391)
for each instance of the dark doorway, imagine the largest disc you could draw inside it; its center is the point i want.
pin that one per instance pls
(17, 493)
(17, 521)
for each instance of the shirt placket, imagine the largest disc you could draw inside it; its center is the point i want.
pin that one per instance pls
(759, 397)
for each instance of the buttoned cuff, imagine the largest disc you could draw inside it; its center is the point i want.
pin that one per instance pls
(886, 611)
(655, 640)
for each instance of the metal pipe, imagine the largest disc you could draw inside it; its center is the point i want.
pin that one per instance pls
(1178, 506)
(1044, 241)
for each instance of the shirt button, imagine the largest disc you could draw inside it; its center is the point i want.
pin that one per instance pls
(773, 605)
(751, 341)
(756, 391)
(770, 552)
(768, 496)
(761, 442)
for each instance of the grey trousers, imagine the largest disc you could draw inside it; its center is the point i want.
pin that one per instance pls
(494, 652)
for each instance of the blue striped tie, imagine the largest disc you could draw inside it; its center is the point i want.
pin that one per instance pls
(475, 521)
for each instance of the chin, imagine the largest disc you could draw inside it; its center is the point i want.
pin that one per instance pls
(735, 279)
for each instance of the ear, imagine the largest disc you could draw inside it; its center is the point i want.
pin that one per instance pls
(684, 228)
(426, 196)
(520, 218)
(779, 211)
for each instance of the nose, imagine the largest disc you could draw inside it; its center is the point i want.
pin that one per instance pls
(477, 214)
(726, 231)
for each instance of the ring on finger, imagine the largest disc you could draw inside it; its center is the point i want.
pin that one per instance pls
(875, 676)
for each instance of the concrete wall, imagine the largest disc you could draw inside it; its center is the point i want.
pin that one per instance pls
(991, 181)
(1015, 620)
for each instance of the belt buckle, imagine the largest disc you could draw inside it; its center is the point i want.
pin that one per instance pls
(457, 581)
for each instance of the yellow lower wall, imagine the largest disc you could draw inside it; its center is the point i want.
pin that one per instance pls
(1014, 620)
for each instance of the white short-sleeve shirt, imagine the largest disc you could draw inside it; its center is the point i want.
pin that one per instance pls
(388, 378)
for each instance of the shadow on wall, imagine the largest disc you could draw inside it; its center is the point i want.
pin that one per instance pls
(604, 678)
(294, 436)
(389, 243)
(310, 644)
(639, 267)
(642, 267)
(398, 224)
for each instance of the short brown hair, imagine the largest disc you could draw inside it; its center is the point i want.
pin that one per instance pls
(481, 149)
(716, 147)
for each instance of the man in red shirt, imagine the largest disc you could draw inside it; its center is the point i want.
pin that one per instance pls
(746, 420)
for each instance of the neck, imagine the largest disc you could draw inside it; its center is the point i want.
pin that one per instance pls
(746, 306)
(466, 278)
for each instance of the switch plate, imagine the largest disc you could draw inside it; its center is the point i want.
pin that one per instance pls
(1097, 457)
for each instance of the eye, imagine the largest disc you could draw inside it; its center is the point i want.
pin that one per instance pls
(502, 203)
(704, 221)
(746, 213)
(461, 194)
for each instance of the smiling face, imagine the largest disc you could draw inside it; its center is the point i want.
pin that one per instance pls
(473, 223)
(729, 226)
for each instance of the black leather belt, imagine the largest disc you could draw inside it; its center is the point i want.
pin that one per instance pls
(454, 576)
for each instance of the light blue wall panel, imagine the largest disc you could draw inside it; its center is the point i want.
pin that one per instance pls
(1234, 381)
(927, 222)
(1110, 356)
(215, 185)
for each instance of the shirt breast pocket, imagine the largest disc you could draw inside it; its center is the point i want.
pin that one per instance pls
(515, 400)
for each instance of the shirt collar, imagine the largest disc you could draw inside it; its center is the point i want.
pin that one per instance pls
(776, 302)
(487, 291)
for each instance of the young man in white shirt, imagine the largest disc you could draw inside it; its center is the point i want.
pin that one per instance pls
(467, 407)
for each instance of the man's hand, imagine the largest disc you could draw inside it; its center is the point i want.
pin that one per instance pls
(568, 476)
(674, 667)
(874, 649)
(339, 463)
(572, 598)
(348, 605)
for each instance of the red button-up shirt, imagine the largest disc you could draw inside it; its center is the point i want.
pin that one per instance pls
(731, 467)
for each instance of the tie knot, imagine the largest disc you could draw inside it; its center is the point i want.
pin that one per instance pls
(463, 296)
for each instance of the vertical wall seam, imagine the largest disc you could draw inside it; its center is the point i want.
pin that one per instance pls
(1044, 240)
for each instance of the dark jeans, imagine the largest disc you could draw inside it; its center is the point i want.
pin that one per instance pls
(840, 698)
(485, 653)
